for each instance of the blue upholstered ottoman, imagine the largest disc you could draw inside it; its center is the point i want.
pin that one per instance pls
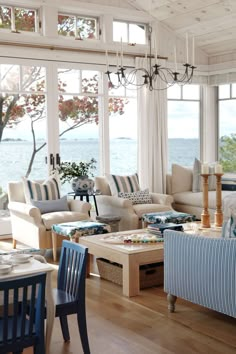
(167, 217)
(73, 230)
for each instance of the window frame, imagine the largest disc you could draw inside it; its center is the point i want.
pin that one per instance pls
(200, 101)
(76, 16)
(13, 29)
(128, 33)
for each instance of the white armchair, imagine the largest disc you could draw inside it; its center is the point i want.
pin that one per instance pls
(31, 227)
(131, 215)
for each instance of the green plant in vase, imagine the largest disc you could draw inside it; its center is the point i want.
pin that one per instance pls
(78, 174)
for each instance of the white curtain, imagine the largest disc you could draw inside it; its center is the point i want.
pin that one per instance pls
(152, 136)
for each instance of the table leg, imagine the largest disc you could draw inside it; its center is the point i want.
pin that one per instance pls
(50, 312)
(95, 204)
(54, 246)
(131, 283)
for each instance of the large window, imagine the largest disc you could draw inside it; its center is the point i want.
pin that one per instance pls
(132, 33)
(227, 127)
(122, 129)
(183, 124)
(22, 122)
(18, 19)
(79, 27)
(79, 116)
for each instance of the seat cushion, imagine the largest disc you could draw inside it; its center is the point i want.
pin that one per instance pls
(141, 209)
(59, 217)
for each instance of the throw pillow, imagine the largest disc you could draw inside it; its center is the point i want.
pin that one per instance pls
(140, 197)
(47, 190)
(49, 206)
(181, 180)
(229, 227)
(125, 184)
(197, 178)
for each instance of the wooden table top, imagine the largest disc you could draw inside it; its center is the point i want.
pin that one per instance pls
(104, 241)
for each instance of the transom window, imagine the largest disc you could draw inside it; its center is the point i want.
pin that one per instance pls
(132, 33)
(18, 19)
(183, 124)
(79, 27)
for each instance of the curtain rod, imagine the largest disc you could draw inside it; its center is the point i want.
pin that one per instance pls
(53, 47)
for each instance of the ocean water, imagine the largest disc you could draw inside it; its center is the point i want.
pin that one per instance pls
(15, 156)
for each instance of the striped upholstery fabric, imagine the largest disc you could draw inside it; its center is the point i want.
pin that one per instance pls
(47, 190)
(201, 270)
(124, 184)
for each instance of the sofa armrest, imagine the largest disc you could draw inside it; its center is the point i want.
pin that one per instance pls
(80, 206)
(25, 210)
(110, 204)
(159, 198)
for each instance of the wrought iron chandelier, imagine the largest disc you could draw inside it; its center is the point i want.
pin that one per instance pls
(152, 73)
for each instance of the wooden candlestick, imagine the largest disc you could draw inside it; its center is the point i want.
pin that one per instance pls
(218, 212)
(205, 217)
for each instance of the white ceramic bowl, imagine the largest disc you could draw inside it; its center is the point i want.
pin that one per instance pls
(5, 268)
(20, 258)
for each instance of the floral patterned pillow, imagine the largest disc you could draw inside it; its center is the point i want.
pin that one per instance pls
(140, 197)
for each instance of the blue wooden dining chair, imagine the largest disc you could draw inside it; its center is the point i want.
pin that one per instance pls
(22, 304)
(70, 292)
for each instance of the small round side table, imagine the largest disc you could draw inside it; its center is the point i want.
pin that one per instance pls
(111, 220)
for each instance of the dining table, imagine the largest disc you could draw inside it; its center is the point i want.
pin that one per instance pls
(35, 264)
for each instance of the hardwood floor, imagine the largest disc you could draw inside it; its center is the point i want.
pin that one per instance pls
(142, 325)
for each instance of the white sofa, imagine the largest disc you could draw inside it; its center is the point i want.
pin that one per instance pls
(179, 185)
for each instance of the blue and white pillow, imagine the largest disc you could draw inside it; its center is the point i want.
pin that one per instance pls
(124, 184)
(47, 190)
(140, 197)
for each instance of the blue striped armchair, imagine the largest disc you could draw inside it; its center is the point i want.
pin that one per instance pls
(200, 269)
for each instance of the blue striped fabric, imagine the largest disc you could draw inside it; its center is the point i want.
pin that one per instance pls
(124, 184)
(48, 190)
(201, 270)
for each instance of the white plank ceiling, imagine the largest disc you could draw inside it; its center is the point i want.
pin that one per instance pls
(212, 22)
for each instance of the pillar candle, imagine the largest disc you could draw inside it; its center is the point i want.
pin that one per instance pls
(218, 168)
(205, 168)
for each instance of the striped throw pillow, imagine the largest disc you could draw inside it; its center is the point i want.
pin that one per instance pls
(47, 190)
(124, 184)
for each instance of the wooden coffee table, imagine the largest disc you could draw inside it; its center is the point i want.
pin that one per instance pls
(130, 256)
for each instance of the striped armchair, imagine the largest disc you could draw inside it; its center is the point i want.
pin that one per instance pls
(201, 270)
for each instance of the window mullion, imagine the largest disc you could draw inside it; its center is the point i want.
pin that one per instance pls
(13, 22)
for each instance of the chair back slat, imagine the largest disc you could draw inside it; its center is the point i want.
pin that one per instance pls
(22, 318)
(72, 269)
